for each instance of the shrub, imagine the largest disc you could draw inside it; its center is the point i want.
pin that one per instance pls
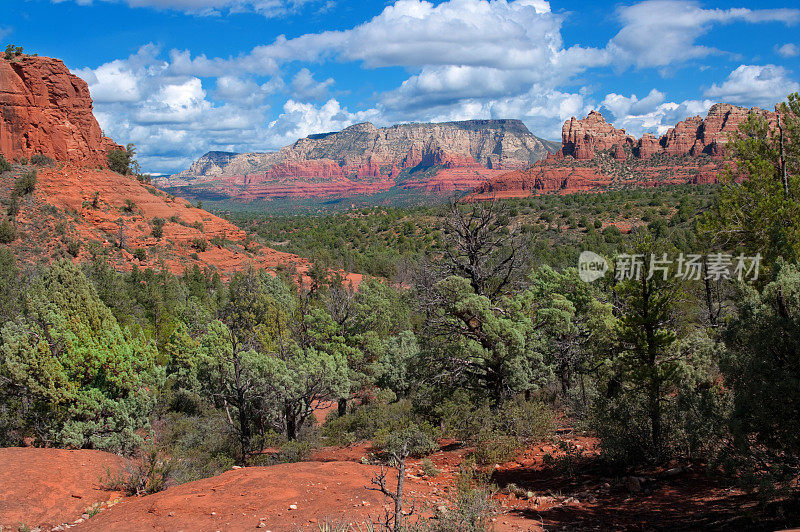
(129, 206)
(147, 473)
(418, 439)
(121, 161)
(495, 448)
(200, 244)
(8, 233)
(25, 184)
(5, 166)
(429, 469)
(471, 508)
(12, 205)
(203, 444)
(73, 246)
(158, 227)
(39, 159)
(525, 419)
(140, 254)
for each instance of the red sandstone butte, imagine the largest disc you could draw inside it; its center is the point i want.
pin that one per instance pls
(593, 156)
(46, 109)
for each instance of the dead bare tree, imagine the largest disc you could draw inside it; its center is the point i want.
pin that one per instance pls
(481, 247)
(378, 483)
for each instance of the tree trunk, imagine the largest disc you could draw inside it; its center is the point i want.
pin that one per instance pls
(342, 406)
(291, 422)
(398, 501)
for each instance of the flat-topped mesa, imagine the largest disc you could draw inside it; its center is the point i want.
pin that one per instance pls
(46, 109)
(365, 159)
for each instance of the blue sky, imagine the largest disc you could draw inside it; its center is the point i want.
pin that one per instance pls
(182, 77)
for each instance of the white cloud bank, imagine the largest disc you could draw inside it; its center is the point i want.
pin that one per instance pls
(464, 58)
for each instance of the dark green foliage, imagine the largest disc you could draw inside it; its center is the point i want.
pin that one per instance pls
(761, 214)
(25, 184)
(12, 52)
(122, 161)
(71, 374)
(129, 206)
(140, 254)
(39, 159)
(200, 244)
(8, 232)
(5, 166)
(763, 368)
(158, 227)
(73, 246)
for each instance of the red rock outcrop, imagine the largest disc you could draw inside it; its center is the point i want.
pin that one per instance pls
(581, 138)
(648, 146)
(593, 156)
(46, 109)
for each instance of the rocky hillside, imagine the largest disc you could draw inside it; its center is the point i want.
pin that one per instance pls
(595, 155)
(364, 159)
(45, 109)
(76, 207)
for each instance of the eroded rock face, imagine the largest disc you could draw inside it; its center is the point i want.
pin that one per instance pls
(364, 159)
(46, 109)
(593, 156)
(581, 138)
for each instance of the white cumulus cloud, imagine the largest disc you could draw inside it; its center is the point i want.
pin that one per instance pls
(762, 85)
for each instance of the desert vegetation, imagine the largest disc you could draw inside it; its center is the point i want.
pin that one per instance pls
(472, 326)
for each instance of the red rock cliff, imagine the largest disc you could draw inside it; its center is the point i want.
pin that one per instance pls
(593, 155)
(46, 109)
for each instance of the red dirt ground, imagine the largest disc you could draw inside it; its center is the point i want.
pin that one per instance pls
(46, 487)
(535, 494)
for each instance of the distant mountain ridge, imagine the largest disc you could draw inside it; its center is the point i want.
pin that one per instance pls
(364, 159)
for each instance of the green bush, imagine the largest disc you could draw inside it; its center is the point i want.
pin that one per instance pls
(203, 444)
(200, 244)
(25, 184)
(5, 166)
(496, 448)
(470, 509)
(525, 419)
(39, 159)
(158, 227)
(147, 473)
(73, 246)
(8, 232)
(129, 206)
(419, 439)
(140, 254)
(121, 161)
(12, 205)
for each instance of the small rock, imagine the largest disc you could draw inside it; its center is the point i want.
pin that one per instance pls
(293, 507)
(85, 516)
(632, 484)
(262, 524)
